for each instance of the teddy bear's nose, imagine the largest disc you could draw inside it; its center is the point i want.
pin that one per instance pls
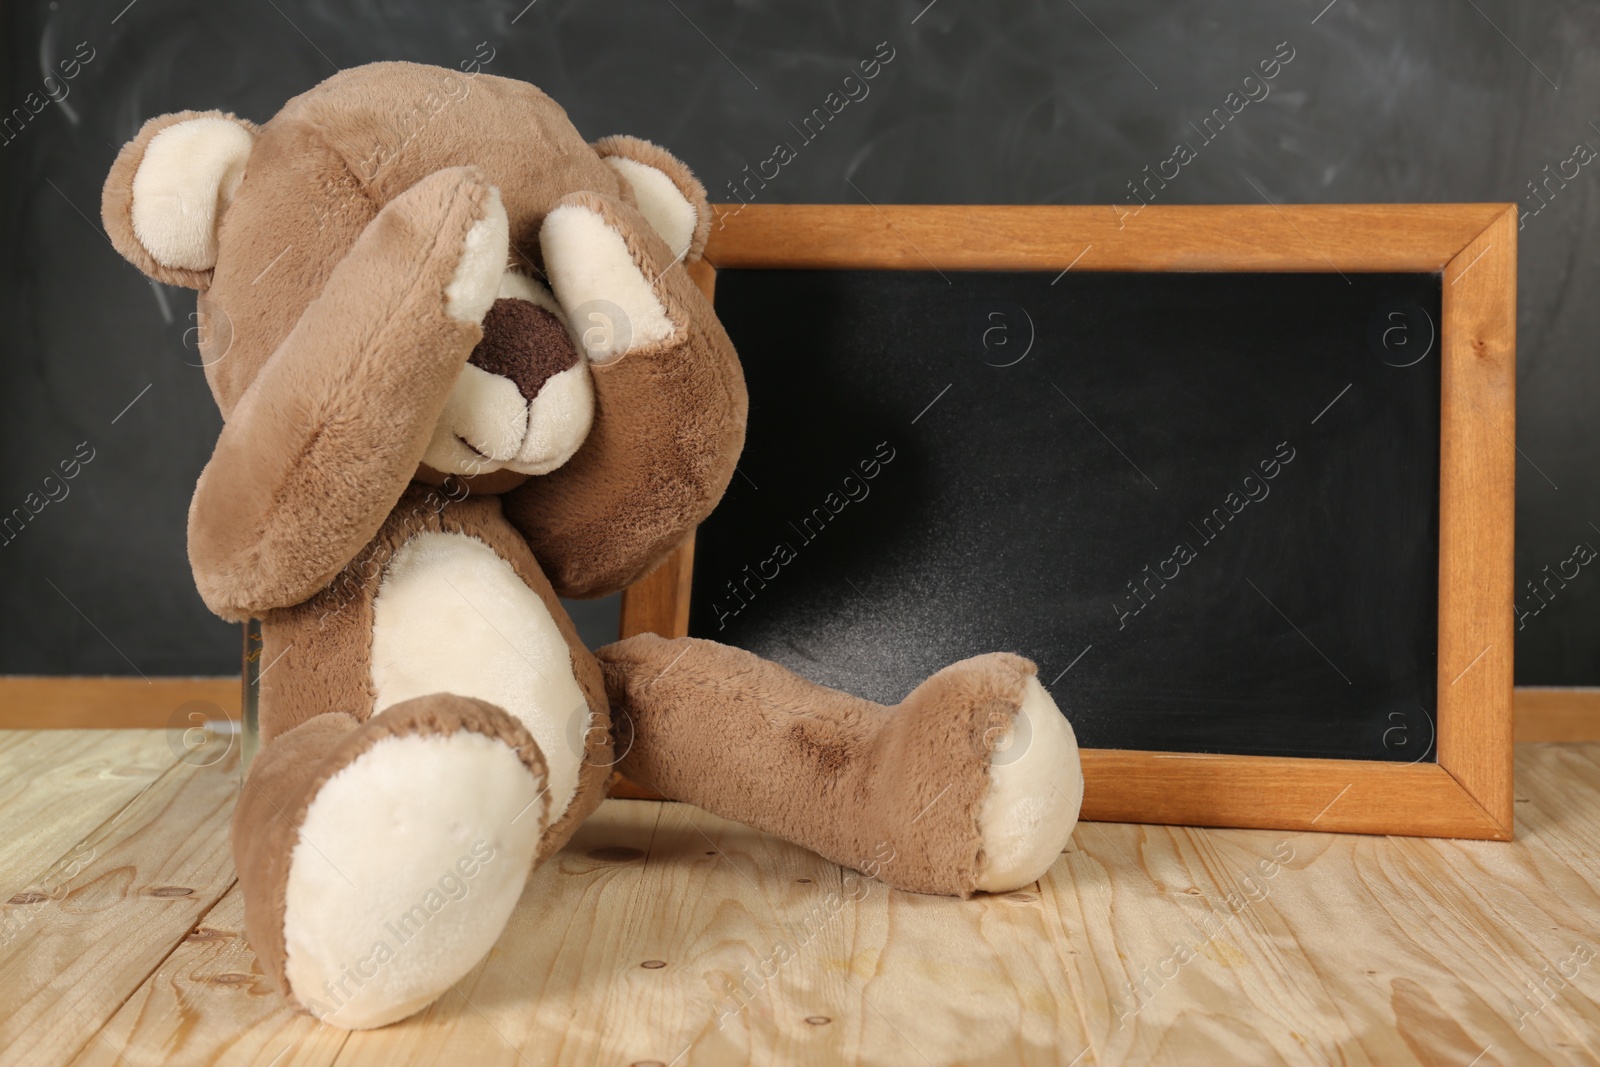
(524, 342)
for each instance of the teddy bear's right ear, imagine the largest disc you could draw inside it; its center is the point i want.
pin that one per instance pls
(166, 193)
(666, 192)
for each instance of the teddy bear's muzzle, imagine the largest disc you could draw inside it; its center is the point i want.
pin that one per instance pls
(524, 401)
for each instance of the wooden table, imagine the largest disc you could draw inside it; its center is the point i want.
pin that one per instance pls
(121, 941)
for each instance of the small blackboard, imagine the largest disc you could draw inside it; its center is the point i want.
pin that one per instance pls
(1212, 470)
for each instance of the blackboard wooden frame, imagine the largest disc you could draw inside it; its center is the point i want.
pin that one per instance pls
(1468, 791)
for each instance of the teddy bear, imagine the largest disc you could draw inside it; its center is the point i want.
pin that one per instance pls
(464, 370)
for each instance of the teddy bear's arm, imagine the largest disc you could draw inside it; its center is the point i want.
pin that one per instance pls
(319, 448)
(670, 407)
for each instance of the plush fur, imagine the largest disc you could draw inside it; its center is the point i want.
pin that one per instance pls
(463, 371)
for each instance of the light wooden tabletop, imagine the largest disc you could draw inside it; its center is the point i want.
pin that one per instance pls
(664, 934)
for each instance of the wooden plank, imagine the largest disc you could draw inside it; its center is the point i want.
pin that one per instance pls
(1358, 949)
(1558, 789)
(208, 1002)
(1517, 930)
(153, 871)
(1343, 796)
(1182, 959)
(1252, 946)
(56, 786)
(30, 702)
(1295, 947)
(754, 933)
(1558, 793)
(994, 979)
(1556, 714)
(1249, 237)
(1477, 512)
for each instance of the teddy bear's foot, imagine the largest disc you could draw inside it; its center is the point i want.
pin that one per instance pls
(978, 781)
(1035, 790)
(381, 860)
(970, 783)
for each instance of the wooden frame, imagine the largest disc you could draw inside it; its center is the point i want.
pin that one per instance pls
(1468, 791)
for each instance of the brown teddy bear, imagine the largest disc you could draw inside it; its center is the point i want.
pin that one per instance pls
(464, 370)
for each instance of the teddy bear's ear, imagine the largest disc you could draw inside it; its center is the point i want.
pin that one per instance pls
(667, 192)
(167, 191)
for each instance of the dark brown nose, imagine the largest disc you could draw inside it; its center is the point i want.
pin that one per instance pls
(524, 342)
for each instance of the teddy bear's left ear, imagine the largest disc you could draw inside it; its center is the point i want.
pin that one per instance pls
(165, 195)
(667, 192)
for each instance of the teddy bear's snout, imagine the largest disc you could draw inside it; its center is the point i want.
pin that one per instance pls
(524, 401)
(525, 343)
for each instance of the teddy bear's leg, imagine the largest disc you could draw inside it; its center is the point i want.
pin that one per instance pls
(971, 782)
(379, 860)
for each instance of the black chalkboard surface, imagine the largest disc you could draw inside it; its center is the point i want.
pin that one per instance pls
(1206, 504)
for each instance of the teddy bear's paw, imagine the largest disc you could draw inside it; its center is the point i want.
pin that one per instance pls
(602, 271)
(473, 287)
(1035, 789)
(408, 863)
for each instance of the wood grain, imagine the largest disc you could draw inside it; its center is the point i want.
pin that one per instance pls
(115, 909)
(208, 1002)
(1248, 237)
(56, 786)
(1143, 945)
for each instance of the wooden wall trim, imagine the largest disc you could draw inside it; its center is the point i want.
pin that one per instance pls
(35, 702)
(44, 702)
(1554, 714)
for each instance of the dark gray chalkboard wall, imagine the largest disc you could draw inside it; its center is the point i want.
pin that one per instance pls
(1007, 103)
